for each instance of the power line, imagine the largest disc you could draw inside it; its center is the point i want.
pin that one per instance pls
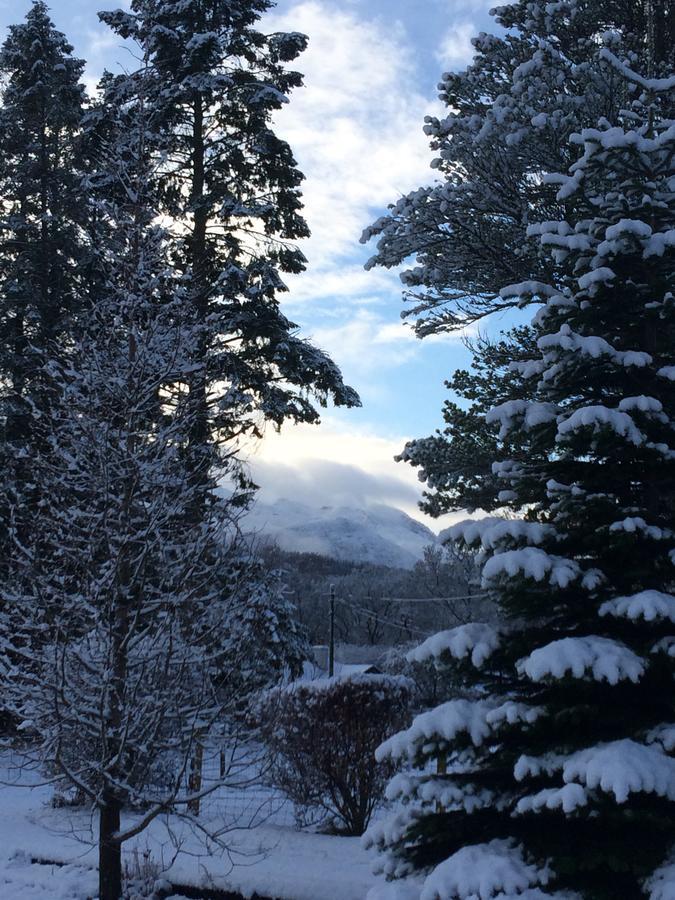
(384, 621)
(433, 599)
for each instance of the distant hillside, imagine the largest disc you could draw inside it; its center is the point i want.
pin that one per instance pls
(380, 535)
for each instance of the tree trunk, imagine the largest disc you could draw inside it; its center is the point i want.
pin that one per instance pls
(195, 784)
(441, 769)
(109, 850)
(199, 431)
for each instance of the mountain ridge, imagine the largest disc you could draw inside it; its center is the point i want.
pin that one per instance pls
(378, 534)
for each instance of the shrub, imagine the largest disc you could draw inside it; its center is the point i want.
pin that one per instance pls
(321, 738)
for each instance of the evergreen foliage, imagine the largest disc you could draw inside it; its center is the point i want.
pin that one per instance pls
(455, 463)
(43, 253)
(135, 626)
(554, 775)
(109, 638)
(234, 187)
(510, 115)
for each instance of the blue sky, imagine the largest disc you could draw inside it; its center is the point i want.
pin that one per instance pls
(371, 72)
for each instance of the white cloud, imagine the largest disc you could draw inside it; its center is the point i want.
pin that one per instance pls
(356, 130)
(456, 49)
(334, 466)
(368, 343)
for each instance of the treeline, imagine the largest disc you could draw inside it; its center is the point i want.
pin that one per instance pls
(370, 599)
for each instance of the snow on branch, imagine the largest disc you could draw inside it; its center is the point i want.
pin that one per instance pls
(601, 658)
(495, 869)
(568, 798)
(494, 531)
(623, 768)
(620, 768)
(648, 605)
(599, 417)
(637, 525)
(443, 723)
(527, 289)
(530, 412)
(531, 562)
(475, 640)
(650, 84)
(661, 884)
(478, 719)
(591, 345)
(431, 790)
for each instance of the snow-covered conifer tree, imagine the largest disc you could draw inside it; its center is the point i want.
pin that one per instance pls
(263, 636)
(117, 655)
(510, 115)
(555, 775)
(233, 186)
(41, 246)
(455, 463)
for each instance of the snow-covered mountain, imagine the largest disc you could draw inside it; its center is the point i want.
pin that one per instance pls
(379, 534)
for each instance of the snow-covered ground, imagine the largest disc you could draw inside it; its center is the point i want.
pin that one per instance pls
(273, 860)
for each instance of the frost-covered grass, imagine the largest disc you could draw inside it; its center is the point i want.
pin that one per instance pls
(273, 859)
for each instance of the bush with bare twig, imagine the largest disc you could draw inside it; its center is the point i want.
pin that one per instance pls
(321, 737)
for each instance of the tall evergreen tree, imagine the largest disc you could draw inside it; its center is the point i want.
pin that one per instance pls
(555, 774)
(233, 186)
(41, 244)
(510, 115)
(117, 650)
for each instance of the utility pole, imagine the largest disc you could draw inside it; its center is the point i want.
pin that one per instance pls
(331, 633)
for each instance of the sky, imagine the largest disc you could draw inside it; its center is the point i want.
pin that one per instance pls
(371, 71)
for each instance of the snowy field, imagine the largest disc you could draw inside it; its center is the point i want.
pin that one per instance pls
(273, 859)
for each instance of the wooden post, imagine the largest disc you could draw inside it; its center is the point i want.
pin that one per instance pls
(331, 633)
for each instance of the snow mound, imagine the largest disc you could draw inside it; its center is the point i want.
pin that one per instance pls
(395, 890)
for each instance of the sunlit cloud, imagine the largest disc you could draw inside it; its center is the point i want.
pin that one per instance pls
(338, 466)
(456, 49)
(356, 130)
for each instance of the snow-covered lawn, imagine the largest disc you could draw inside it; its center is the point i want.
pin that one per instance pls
(273, 860)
